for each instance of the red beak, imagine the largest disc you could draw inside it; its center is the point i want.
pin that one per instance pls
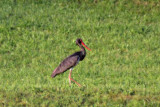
(85, 46)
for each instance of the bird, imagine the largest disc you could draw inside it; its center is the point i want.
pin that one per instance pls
(71, 61)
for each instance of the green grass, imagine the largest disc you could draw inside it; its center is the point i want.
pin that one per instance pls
(121, 70)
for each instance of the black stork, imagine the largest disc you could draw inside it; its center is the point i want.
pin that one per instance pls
(71, 61)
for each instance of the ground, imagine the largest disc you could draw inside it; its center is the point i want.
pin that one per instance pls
(121, 70)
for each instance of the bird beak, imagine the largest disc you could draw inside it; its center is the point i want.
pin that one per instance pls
(85, 46)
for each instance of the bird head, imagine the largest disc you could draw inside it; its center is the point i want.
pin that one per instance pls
(80, 42)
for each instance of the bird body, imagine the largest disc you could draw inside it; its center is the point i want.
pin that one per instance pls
(71, 61)
(66, 64)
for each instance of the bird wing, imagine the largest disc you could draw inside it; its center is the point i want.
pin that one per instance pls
(66, 64)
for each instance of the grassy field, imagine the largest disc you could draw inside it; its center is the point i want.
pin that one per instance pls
(123, 68)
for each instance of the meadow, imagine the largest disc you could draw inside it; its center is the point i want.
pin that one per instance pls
(123, 68)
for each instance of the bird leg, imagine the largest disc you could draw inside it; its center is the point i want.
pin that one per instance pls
(70, 79)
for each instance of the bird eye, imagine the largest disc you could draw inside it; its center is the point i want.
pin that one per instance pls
(80, 40)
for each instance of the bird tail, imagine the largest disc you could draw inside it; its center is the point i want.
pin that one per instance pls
(54, 73)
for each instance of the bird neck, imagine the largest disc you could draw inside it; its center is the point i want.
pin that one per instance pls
(82, 49)
(82, 52)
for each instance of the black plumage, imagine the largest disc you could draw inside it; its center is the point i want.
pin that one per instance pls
(71, 60)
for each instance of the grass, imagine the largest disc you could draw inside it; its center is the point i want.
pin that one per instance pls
(121, 70)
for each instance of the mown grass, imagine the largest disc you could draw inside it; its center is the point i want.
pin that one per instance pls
(121, 70)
